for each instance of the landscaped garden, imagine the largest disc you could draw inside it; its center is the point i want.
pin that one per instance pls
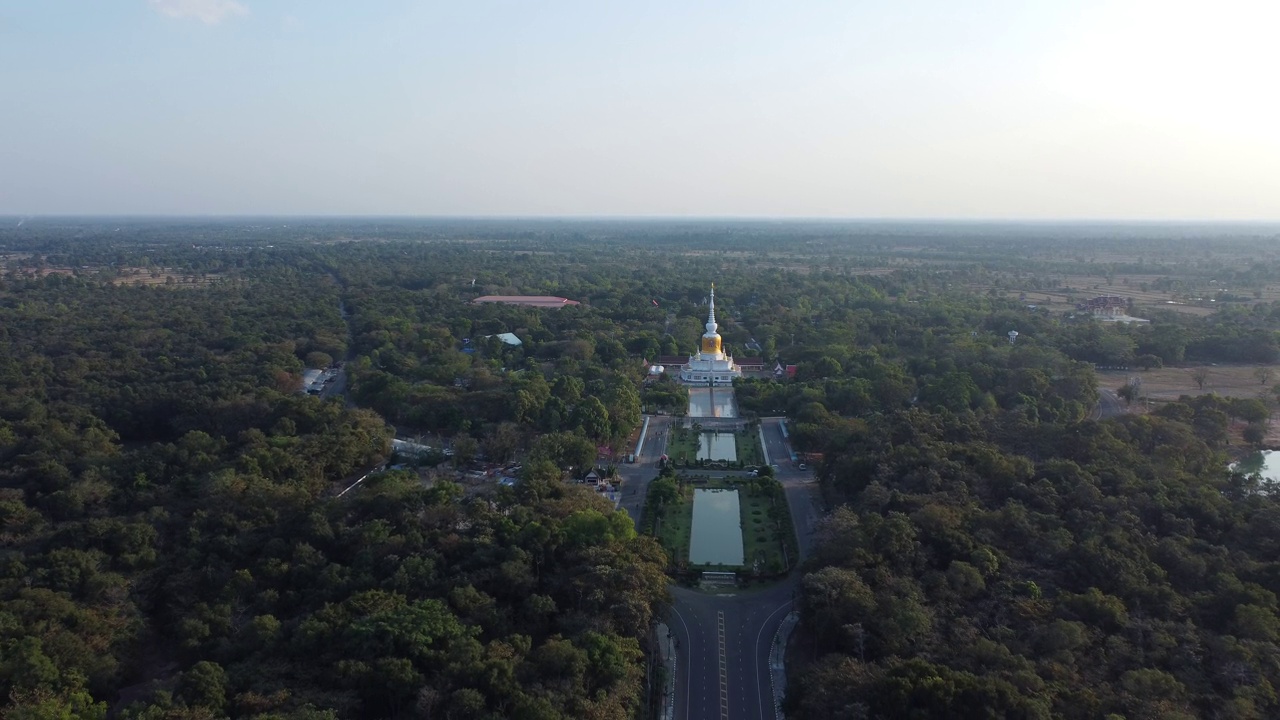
(685, 443)
(749, 451)
(769, 544)
(767, 538)
(674, 523)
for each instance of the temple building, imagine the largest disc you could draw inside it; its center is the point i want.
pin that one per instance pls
(710, 365)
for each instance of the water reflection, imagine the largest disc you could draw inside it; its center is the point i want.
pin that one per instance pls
(716, 537)
(712, 402)
(1265, 464)
(718, 446)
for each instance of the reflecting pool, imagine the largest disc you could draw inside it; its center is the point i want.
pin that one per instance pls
(712, 402)
(718, 446)
(716, 537)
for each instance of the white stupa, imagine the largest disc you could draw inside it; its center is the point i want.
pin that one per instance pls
(710, 366)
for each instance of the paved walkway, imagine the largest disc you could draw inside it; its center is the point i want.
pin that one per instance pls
(666, 648)
(777, 660)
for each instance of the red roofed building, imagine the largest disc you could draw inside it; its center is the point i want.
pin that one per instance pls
(539, 301)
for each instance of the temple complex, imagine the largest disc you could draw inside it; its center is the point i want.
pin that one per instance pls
(710, 365)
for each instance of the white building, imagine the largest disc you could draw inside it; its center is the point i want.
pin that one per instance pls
(710, 365)
(507, 338)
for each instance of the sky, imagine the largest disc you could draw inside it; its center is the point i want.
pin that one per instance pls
(982, 109)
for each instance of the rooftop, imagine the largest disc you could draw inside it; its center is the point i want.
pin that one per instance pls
(508, 338)
(546, 301)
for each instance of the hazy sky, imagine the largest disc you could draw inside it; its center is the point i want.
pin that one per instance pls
(941, 109)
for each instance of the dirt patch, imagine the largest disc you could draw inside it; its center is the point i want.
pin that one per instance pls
(168, 277)
(1173, 382)
(1168, 384)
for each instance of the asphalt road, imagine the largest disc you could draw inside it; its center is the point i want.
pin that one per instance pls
(337, 388)
(746, 623)
(722, 658)
(637, 476)
(1108, 406)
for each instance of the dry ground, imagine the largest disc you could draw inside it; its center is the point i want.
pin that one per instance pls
(162, 276)
(1168, 384)
(1075, 288)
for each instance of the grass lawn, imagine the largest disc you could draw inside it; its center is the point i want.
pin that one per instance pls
(675, 523)
(749, 452)
(763, 538)
(683, 445)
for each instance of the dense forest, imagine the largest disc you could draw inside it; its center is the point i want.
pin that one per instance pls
(993, 552)
(172, 543)
(998, 567)
(172, 546)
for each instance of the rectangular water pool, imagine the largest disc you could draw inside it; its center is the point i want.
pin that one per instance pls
(718, 446)
(716, 537)
(712, 402)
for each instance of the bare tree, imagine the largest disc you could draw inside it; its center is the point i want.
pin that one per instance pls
(428, 699)
(1264, 374)
(1200, 375)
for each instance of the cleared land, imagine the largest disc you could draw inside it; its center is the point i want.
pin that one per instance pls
(1174, 382)
(1142, 289)
(1168, 384)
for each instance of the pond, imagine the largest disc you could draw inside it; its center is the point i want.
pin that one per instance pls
(716, 537)
(718, 446)
(712, 402)
(1265, 463)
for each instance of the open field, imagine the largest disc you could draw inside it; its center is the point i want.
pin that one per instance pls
(1171, 383)
(170, 277)
(1144, 290)
(163, 276)
(1168, 384)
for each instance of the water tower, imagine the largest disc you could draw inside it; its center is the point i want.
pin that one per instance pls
(1013, 336)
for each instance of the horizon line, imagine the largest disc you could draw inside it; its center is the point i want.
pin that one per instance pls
(643, 218)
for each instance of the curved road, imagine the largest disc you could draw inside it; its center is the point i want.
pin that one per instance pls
(1108, 406)
(722, 668)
